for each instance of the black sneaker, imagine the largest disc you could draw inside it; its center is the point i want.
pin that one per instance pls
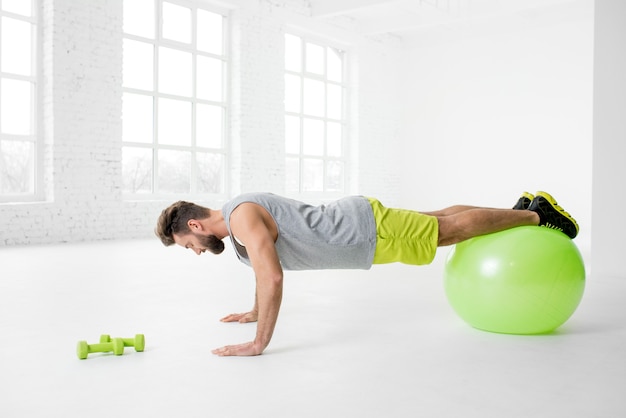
(551, 215)
(524, 201)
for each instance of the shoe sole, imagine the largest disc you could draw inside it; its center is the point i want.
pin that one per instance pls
(555, 205)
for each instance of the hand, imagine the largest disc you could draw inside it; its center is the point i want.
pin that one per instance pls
(245, 349)
(242, 318)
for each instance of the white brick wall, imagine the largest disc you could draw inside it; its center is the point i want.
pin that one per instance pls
(257, 120)
(81, 120)
(80, 125)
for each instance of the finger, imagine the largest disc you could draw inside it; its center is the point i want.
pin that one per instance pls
(245, 349)
(231, 318)
(229, 350)
(220, 351)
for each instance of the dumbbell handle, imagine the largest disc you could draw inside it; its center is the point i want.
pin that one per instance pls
(100, 347)
(138, 342)
(116, 346)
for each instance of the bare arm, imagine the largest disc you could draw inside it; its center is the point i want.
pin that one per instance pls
(253, 228)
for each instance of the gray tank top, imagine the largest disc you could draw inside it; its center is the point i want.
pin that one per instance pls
(339, 235)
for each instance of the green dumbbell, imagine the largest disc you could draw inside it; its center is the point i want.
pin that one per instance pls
(116, 345)
(139, 342)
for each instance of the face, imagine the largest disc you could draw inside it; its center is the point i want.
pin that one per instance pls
(200, 243)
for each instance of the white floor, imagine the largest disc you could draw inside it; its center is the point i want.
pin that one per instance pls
(378, 343)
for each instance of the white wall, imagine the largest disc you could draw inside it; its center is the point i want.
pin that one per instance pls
(475, 120)
(609, 144)
(510, 110)
(80, 125)
(378, 121)
(82, 75)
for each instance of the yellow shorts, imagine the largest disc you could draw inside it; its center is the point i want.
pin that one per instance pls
(404, 236)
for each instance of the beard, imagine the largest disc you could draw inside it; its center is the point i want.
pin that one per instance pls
(211, 243)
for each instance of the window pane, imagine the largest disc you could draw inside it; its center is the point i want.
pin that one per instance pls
(334, 107)
(137, 170)
(16, 103)
(174, 122)
(16, 46)
(292, 93)
(312, 175)
(175, 74)
(314, 97)
(335, 65)
(292, 134)
(209, 78)
(176, 23)
(334, 139)
(292, 173)
(314, 58)
(334, 179)
(172, 115)
(314, 120)
(138, 65)
(209, 168)
(21, 7)
(138, 17)
(313, 137)
(209, 121)
(210, 36)
(174, 171)
(137, 118)
(293, 53)
(16, 167)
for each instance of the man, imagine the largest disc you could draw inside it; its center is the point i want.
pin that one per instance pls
(272, 233)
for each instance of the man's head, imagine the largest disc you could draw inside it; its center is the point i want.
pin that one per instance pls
(175, 227)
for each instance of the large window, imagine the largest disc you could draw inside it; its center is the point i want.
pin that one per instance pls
(19, 149)
(174, 102)
(315, 92)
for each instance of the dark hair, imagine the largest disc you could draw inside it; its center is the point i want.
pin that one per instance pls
(174, 219)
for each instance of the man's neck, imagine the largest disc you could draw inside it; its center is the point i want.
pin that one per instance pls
(216, 224)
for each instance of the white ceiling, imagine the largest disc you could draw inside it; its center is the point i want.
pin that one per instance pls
(412, 21)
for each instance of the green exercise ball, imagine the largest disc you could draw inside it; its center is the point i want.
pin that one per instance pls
(525, 280)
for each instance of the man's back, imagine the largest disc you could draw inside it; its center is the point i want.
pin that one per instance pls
(341, 234)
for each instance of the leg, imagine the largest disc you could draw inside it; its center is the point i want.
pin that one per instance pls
(452, 210)
(469, 223)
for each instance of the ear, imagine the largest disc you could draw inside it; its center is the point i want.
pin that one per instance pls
(194, 225)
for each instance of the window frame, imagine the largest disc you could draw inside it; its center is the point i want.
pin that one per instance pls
(157, 42)
(36, 78)
(344, 158)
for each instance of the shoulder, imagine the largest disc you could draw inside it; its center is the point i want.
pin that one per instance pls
(258, 198)
(249, 216)
(247, 210)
